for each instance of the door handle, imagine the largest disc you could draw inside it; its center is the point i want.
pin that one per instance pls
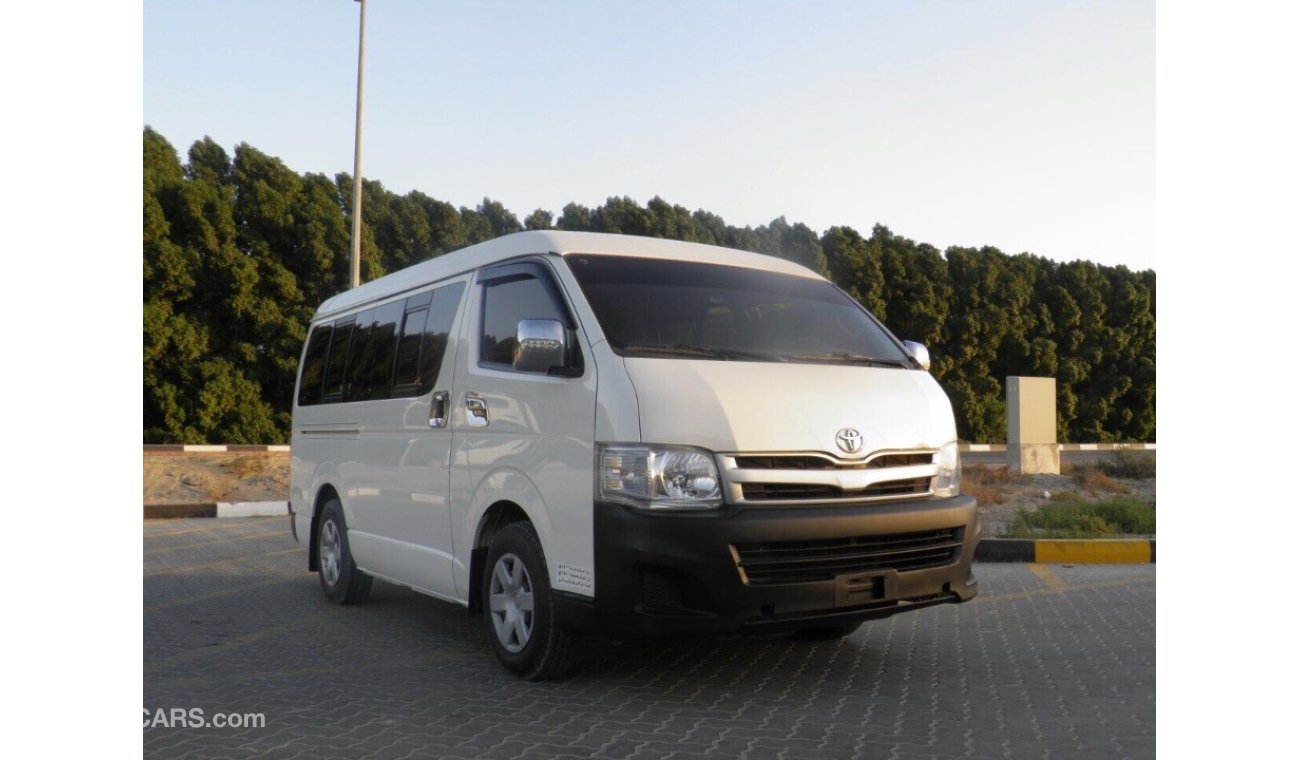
(476, 410)
(438, 409)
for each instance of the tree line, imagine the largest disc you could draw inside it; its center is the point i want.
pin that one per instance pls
(239, 251)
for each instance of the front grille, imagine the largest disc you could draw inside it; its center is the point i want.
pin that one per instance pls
(773, 562)
(818, 478)
(763, 491)
(773, 491)
(806, 462)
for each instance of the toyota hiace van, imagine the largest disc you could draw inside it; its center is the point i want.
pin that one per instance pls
(574, 432)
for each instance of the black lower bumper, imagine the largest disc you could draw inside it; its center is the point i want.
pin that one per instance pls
(770, 569)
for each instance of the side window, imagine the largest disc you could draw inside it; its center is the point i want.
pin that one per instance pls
(375, 366)
(338, 360)
(505, 302)
(313, 365)
(406, 378)
(437, 333)
(358, 354)
(425, 335)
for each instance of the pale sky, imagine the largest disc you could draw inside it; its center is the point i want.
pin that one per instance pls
(1028, 125)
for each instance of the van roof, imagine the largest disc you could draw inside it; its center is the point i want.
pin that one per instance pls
(551, 241)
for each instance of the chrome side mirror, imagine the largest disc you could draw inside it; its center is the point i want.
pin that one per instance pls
(541, 345)
(919, 352)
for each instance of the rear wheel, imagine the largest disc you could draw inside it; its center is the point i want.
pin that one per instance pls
(519, 613)
(340, 579)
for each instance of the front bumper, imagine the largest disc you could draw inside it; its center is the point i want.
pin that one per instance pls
(667, 574)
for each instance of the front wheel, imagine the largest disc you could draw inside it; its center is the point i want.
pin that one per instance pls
(519, 614)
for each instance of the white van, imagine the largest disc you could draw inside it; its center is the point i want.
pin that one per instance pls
(569, 432)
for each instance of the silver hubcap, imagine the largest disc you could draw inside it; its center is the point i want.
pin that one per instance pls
(330, 553)
(510, 599)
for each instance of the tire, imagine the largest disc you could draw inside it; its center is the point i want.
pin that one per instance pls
(829, 633)
(518, 611)
(340, 579)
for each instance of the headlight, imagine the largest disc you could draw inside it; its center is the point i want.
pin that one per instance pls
(658, 477)
(948, 481)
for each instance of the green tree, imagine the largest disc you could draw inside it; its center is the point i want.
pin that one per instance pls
(917, 292)
(188, 243)
(575, 218)
(851, 264)
(795, 242)
(238, 253)
(540, 219)
(500, 219)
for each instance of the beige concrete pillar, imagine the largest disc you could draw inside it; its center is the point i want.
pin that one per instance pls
(1031, 426)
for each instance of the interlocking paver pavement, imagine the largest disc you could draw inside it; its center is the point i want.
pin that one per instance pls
(1048, 662)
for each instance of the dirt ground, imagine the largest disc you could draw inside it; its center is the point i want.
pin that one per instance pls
(189, 478)
(1000, 494)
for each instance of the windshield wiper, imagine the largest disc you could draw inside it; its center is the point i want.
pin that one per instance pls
(848, 358)
(692, 349)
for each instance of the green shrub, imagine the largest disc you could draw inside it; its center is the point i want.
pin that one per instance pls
(1081, 519)
(1133, 465)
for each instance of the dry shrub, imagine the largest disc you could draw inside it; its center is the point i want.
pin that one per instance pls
(1093, 480)
(984, 495)
(245, 466)
(980, 474)
(1132, 465)
(982, 482)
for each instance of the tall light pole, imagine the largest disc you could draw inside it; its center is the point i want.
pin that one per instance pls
(356, 154)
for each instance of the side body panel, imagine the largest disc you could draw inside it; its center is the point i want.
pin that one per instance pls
(322, 435)
(536, 452)
(397, 482)
(390, 470)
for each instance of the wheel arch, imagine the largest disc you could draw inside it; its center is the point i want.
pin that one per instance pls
(499, 514)
(323, 494)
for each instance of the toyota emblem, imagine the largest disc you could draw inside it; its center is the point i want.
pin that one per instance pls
(849, 440)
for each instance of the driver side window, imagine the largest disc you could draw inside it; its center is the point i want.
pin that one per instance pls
(505, 303)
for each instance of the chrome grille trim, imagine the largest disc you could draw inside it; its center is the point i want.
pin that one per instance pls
(838, 481)
(822, 462)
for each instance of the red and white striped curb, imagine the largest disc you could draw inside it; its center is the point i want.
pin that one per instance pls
(977, 447)
(232, 448)
(217, 509)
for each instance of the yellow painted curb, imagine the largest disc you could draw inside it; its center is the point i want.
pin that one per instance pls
(1093, 551)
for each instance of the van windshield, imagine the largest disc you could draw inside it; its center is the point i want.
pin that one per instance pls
(662, 308)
